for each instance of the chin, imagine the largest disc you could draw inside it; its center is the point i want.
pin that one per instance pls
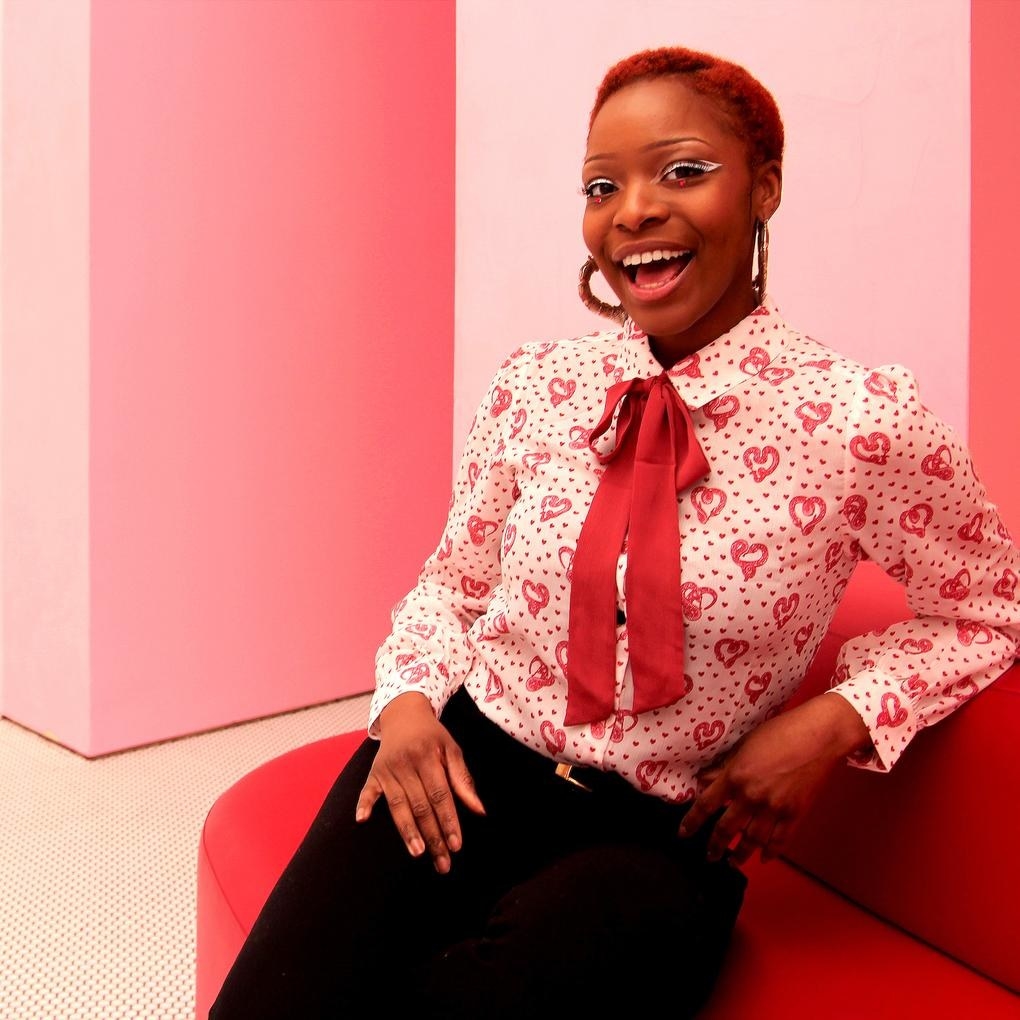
(661, 322)
(694, 323)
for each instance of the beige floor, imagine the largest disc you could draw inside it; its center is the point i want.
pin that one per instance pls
(97, 864)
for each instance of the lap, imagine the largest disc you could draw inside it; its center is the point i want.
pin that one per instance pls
(604, 924)
(548, 866)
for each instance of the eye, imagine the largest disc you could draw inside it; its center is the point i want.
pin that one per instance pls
(684, 170)
(601, 187)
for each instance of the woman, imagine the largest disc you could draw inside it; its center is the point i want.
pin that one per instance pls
(575, 744)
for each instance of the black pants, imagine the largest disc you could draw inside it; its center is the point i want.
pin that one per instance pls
(559, 899)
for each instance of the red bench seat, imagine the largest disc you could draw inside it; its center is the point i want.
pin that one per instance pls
(898, 897)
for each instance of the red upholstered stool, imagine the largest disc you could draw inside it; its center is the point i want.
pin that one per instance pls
(249, 835)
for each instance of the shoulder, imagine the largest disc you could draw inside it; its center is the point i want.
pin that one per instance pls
(569, 348)
(805, 351)
(578, 358)
(890, 386)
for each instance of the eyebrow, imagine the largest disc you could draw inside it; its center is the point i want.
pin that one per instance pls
(652, 145)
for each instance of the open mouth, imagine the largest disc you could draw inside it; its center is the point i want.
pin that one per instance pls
(651, 271)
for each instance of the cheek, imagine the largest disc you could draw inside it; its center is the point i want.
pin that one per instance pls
(725, 223)
(591, 233)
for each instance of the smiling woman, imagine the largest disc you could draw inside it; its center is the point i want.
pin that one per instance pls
(583, 723)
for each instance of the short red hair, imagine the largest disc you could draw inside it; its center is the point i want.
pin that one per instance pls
(747, 102)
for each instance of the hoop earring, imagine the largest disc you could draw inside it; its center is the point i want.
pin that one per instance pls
(599, 307)
(758, 281)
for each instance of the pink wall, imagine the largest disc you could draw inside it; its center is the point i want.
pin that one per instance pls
(870, 246)
(45, 368)
(205, 510)
(269, 354)
(995, 224)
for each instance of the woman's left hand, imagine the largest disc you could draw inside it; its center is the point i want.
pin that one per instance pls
(768, 780)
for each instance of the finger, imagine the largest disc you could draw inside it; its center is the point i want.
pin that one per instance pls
(370, 793)
(772, 848)
(422, 803)
(444, 779)
(463, 782)
(732, 823)
(444, 810)
(743, 851)
(412, 815)
(755, 837)
(705, 805)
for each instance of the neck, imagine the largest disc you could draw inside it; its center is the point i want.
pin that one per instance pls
(668, 349)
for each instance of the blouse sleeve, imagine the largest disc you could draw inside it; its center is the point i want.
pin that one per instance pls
(917, 508)
(425, 649)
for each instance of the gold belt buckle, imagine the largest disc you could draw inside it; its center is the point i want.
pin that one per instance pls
(563, 770)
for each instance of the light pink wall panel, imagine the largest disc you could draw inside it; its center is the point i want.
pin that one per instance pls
(869, 248)
(44, 399)
(271, 250)
(995, 345)
(269, 363)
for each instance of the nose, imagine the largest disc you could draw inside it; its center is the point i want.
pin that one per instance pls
(639, 206)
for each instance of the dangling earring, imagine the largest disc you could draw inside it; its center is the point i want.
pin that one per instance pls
(758, 281)
(614, 312)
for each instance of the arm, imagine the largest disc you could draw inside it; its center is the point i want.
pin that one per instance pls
(764, 785)
(425, 649)
(914, 505)
(922, 514)
(419, 768)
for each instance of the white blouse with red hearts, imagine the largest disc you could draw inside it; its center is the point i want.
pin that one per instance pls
(815, 463)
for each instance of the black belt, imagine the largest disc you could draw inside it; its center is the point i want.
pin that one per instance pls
(574, 774)
(593, 780)
(474, 731)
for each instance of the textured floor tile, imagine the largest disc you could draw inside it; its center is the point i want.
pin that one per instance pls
(98, 858)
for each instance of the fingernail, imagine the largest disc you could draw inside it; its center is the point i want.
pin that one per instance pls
(416, 846)
(453, 842)
(442, 865)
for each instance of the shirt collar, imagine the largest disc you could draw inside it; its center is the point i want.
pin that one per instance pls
(745, 350)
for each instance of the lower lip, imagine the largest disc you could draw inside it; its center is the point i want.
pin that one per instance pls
(649, 295)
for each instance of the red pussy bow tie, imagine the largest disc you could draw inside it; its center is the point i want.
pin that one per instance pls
(656, 456)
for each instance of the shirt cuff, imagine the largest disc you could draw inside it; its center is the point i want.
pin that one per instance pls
(391, 686)
(888, 714)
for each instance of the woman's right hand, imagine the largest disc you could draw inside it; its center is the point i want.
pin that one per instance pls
(418, 768)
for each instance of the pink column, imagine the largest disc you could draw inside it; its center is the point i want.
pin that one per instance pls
(45, 370)
(264, 380)
(995, 234)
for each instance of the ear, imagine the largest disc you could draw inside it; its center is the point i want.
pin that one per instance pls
(767, 189)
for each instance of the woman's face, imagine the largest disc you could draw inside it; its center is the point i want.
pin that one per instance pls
(665, 173)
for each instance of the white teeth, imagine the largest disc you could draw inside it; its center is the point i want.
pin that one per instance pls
(644, 257)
